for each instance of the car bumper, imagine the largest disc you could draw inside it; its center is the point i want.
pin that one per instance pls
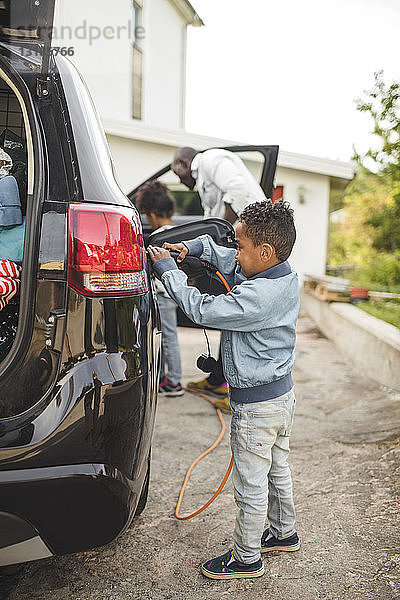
(63, 509)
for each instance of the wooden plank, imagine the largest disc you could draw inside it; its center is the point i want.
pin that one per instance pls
(323, 293)
(339, 281)
(383, 296)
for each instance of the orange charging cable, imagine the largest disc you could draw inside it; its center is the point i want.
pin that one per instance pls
(198, 459)
(210, 449)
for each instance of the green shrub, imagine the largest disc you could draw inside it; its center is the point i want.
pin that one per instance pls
(382, 273)
(386, 311)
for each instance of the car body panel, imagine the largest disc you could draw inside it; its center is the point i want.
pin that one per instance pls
(78, 389)
(91, 500)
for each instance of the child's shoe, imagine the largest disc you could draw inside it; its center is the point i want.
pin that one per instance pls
(223, 403)
(167, 388)
(203, 386)
(269, 543)
(227, 567)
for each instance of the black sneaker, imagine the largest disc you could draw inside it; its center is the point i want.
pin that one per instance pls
(167, 388)
(227, 567)
(269, 543)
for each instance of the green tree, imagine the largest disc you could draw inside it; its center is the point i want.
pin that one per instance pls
(382, 103)
(369, 237)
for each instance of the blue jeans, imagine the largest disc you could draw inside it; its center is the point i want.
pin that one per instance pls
(170, 352)
(261, 476)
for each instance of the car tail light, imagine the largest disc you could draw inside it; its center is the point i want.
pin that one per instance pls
(106, 256)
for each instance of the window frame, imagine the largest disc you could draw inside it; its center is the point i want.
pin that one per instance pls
(35, 185)
(137, 60)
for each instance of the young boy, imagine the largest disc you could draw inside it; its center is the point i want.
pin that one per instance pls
(258, 320)
(154, 201)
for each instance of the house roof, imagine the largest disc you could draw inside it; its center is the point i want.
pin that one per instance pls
(188, 12)
(177, 138)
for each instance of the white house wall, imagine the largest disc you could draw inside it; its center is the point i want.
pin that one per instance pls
(108, 78)
(311, 218)
(106, 62)
(164, 79)
(135, 161)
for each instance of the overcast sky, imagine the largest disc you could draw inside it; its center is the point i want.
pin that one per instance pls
(287, 72)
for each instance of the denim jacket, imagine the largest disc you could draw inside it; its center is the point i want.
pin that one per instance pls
(257, 319)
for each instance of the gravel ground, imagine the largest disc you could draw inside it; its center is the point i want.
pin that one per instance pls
(345, 465)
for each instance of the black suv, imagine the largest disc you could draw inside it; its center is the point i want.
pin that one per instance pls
(79, 378)
(78, 385)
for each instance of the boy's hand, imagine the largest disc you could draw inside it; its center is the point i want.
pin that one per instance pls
(181, 248)
(157, 253)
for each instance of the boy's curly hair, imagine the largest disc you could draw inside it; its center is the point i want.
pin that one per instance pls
(272, 224)
(153, 197)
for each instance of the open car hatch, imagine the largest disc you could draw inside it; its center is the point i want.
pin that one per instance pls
(28, 26)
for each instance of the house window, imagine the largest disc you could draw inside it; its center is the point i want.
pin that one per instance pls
(277, 193)
(137, 34)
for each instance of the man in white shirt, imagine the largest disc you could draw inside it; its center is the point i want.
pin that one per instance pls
(225, 187)
(224, 184)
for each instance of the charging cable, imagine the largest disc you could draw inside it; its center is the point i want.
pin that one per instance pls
(214, 445)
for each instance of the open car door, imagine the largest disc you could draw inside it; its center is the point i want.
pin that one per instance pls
(27, 25)
(260, 160)
(265, 156)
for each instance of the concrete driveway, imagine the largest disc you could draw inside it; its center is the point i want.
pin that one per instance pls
(345, 464)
